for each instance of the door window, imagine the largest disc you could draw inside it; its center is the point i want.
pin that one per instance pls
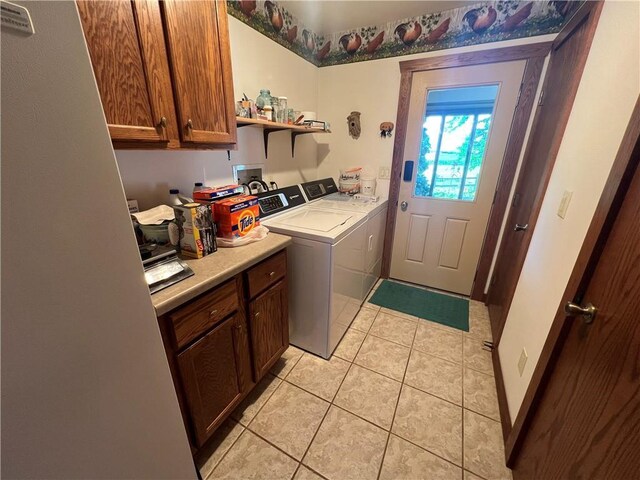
(454, 138)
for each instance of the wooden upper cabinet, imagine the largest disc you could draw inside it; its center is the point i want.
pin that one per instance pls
(200, 61)
(127, 49)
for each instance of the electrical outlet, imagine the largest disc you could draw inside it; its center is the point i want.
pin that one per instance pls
(384, 173)
(564, 204)
(522, 361)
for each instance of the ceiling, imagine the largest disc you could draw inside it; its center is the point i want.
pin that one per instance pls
(332, 16)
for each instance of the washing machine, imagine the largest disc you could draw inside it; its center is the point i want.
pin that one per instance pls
(325, 266)
(324, 194)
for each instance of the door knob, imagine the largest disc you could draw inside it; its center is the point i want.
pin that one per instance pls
(403, 206)
(588, 313)
(520, 228)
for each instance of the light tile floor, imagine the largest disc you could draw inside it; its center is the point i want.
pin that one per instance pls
(401, 398)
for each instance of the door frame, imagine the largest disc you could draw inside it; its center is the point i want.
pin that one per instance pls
(625, 164)
(534, 54)
(587, 14)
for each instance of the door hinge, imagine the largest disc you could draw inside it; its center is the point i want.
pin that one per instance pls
(519, 93)
(487, 345)
(541, 99)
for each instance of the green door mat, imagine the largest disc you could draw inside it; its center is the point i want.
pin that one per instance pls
(437, 307)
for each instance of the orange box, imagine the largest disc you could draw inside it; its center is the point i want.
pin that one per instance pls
(236, 216)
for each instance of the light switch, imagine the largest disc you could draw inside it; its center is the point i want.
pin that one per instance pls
(564, 203)
(384, 173)
(522, 361)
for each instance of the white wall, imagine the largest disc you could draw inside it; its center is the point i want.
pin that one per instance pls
(606, 96)
(86, 389)
(257, 62)
(372, 89)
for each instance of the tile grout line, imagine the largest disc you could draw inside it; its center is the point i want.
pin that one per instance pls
(333, 398)
(395, 410)
(225, 453)
(429, 451)
(246, 427)
(462, 461)
(324, 417)
(331, 402)
(351, 364)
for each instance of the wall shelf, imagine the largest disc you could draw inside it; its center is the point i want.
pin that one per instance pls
(270, 127)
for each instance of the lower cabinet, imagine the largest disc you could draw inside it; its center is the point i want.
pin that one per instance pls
(269, 325)
(210, 376)
(220, 344)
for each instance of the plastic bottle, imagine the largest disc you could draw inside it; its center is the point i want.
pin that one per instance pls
(198, 186)
(173, 197)
(283, 113)
(176, 199)
(268, 111)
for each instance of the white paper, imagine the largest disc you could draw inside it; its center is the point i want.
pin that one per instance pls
(15, 17)
(162, 272)
(155, 216)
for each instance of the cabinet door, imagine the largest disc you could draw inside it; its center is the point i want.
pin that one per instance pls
(198, 43)
(269, 327)
(126, 44)
(210, 372)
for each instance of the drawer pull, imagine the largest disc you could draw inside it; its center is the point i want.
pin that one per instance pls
(213, 312)
(272, 274)
(256, 315)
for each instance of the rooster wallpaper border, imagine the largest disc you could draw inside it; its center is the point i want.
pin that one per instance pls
(485, 22)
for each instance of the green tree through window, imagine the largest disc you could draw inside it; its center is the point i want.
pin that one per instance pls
(452, 149)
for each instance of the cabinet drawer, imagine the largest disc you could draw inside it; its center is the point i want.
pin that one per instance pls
(191, 321)
(266, 273)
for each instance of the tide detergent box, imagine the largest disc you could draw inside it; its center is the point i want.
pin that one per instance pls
(236, 216)
(196, 230)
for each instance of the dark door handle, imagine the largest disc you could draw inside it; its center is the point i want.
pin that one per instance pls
(520, 228)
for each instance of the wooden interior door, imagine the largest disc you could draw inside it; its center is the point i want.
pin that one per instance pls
(200, 58)
(587, 421)
(568, 57)
(127, 49)
(269, 327)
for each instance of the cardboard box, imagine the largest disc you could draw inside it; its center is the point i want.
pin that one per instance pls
(133, 205)
(196, 229)
(217, 192)
(236, 216)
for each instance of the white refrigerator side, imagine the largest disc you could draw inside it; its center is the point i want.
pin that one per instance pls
(86, 389)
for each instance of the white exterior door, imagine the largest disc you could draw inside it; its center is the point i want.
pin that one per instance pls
(458, 126)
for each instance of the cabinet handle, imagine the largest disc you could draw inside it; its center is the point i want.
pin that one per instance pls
(213, 312)
(163, 122)
(189, 124)
(238, 328)
(272, 274)
(256, 315)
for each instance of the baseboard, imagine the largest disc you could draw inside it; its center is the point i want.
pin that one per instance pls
(505, 418)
